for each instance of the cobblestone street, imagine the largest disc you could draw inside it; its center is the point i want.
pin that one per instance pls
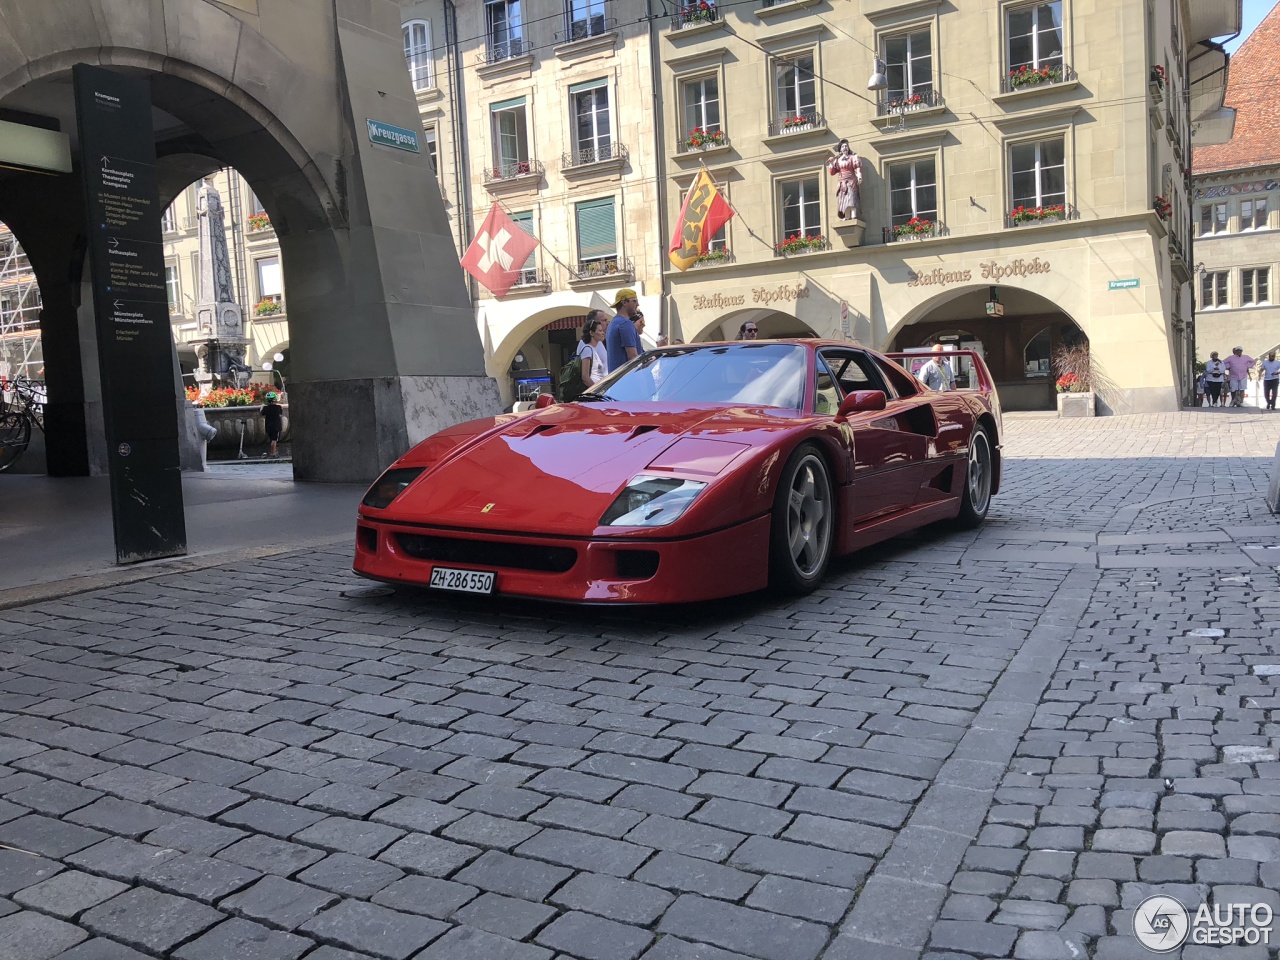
(982, 744)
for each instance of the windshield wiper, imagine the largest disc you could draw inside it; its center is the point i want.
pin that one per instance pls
(590, 397)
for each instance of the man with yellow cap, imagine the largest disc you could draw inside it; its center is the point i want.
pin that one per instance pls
(622, 340)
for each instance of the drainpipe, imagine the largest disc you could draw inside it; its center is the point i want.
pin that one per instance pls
(660, 159)
(458, 121)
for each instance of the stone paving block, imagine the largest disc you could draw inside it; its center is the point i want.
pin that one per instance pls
(745, 817)
(673, 948)
(20, 870)
(604, 819)
(514, 876)
(200, 799)
(468, 943)
(33, 936)
(692, 875)
(350, 876)
(359, 837)
(595, 938)
(347, 799)
(194, 836)
(573, 783)
(798, 898)
(269, 855)
(623, 900)
(124, 818)
(242, 940)
(62, 765)
(100, 949)
(585, 851)
(681, 836)
(206, 879)
(765, 855)
(968, 936)
(53, 797)
(52, 838)
(648, 799)
(275, 819)
(753, 932)
(1048, 945)
(428, 855)
(278, 902)
(414, 813)
(69, 893)
(133, 783)
(504, 916)
(373, 929)
(149, 920)
(427, 896)
(206, 768)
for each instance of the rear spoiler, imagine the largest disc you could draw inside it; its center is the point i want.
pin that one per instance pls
(985, 385)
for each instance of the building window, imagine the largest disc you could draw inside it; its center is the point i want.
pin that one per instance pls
(1213, 219)
(530, 272)
(429, 137)
(586, 18)
(1213, 289)
(1039, 174)
(169, 221)
(195, 273)
(417, 53)
(913, 191)
(506, 29)
(1035, 358)
(592, 129)
(795, 90)
(1035, 36)
(701, 99)
(1253, 214)
(510, 130)
(255, 205)
(909, 66)
(597, 236)
(171, 287)
(270, 284)
(801, 208)
(1254, 286)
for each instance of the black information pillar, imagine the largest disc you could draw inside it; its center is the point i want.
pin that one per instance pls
(135, 349)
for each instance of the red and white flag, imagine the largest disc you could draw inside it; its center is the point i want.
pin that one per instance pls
(497, 254)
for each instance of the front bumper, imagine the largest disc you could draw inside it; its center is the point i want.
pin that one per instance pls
(706, 567)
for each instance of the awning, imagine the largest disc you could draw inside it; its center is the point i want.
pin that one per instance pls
(567, 323)
(1214, 18)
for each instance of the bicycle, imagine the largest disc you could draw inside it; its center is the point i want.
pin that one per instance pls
(15, 424)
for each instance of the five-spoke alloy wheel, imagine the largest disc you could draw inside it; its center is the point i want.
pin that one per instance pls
(804, 514)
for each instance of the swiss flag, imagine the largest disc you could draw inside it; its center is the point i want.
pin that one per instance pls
(498, 252)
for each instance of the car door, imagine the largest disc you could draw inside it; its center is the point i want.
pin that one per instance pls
(889, 445)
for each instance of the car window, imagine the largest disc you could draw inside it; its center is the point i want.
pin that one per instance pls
(826, 396)
(757, 374)
(854, 370)
(905, 384)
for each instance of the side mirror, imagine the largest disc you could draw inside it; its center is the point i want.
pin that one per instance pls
(861, 401)
(544, 400)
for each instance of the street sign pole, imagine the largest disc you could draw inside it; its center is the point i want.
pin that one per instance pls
(135, 344)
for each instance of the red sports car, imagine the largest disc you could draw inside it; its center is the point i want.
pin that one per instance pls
(691, 473)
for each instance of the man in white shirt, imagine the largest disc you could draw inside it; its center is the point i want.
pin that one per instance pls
(1214, 374)
(936, 374)
(1270, 379)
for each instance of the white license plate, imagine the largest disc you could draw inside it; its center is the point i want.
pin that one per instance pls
(464, 581)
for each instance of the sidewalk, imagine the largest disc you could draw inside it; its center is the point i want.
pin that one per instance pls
(995, 743)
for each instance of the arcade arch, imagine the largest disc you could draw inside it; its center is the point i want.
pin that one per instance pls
(1017, 347)
(21, 353)
(771, 323)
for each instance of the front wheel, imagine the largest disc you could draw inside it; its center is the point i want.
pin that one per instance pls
(15, 435)
(975, 499)
(804, 514)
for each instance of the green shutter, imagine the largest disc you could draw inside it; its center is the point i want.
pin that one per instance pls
(507, 105)
(597, 236)
(589, 85)
(525, 220)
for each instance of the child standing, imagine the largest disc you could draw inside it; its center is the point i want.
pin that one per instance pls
(273, 413)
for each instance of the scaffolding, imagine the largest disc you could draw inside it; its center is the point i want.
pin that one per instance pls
(20, 353)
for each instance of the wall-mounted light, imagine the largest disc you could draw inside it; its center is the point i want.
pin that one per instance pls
(878, 80)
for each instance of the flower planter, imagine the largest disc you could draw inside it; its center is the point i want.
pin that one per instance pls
(225, 421)
(1076, 404)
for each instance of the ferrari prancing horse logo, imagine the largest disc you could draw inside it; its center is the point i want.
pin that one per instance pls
(487, 507)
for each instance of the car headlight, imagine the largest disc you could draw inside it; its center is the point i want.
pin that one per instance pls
(390, 485)
(651, 502)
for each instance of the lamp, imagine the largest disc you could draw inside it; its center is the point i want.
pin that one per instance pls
(878, 79)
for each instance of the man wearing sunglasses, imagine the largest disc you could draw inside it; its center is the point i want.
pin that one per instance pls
(748, 331)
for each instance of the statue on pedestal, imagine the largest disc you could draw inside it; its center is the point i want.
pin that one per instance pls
(220, 320)
(848, 167)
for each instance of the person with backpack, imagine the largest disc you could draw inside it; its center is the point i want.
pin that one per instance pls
(1214, 374)
(587, 365)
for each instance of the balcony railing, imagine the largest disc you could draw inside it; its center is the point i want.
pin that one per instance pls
(584, 156)
(906, 231)
(1029, 78)
(576, 30)
(902, 103)
(532, 277)
(800, 122)
(599, 267)
(499, 50)
(1052, 213)
(714, 256)
(800, 246)
(694, 14)
(514, 170)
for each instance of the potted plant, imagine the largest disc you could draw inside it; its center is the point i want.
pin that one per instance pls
(715, 254)
(1157, 77)
(902, 103)
(1074, 385)
(1021, 214)
(701, 12)
(915, 228)
(800, 244)
(267, 307)
(699, 138)
(259, 221)
(1162, 207)
(792, 123)
(1028, 76)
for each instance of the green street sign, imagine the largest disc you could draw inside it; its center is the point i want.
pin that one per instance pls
(389, 135)
(1123, 284)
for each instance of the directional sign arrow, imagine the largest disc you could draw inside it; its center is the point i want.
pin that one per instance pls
(114, 243)
(105, 160)
(116, 304)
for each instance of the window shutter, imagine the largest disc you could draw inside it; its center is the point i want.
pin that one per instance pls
(525, 221)
(596, 229)
(507, 105)
(584, 87)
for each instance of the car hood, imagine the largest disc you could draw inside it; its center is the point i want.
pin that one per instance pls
(556, 471)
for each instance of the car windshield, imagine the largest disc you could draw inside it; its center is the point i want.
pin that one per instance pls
(751, 374)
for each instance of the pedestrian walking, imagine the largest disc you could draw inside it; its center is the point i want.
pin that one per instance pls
(622, 342)
(1201, 400)
(273, 414)
(1238, 367)
(936, 374)
(1214, 374)
(1270, 379)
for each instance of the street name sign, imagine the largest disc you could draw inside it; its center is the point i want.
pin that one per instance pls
(389, 135)
(1129, 284)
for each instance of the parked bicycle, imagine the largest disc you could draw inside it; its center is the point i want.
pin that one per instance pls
(21, 405)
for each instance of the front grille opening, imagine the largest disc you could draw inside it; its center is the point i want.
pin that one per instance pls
(488, 553)
(367, 539)
(637, 564)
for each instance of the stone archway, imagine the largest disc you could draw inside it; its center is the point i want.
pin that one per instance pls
(771, 323)
(384, 337)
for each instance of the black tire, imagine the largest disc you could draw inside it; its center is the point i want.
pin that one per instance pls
(975, 497)
(802, 534)
(15, 435)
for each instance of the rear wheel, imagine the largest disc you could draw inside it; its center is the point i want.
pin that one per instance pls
(15, 435)
(975, 500)
(803, 524)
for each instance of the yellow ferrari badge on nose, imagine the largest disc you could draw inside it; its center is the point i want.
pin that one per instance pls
(487, 507)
